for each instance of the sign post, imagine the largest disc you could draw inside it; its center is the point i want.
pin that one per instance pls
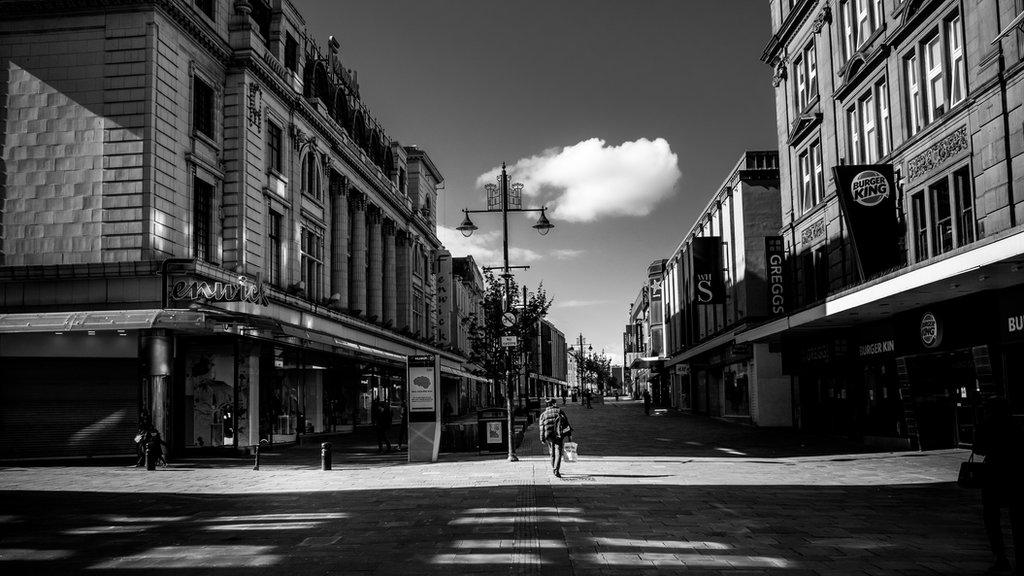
(423, 382)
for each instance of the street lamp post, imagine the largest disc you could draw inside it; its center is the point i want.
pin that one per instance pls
(543, 226)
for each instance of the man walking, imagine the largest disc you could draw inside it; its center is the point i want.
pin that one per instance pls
(554, 429)
(647, 402)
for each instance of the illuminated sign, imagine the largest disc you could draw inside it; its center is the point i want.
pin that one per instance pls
(203, 291)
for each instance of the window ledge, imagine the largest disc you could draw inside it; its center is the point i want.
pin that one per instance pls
(206, 139)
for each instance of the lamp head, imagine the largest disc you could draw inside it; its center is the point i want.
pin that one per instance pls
(467, 227)
(543, 225)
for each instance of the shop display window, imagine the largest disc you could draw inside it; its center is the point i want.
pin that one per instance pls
(210, 393)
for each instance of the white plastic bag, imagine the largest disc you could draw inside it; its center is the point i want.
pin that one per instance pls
(569, 451)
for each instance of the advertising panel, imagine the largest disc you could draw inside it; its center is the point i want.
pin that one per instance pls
(867, 193)
(422, 383)
(707, 270)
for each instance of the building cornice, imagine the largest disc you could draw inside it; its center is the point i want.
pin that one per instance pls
(776, 46)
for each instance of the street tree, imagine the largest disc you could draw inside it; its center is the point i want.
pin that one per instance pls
(503, 364)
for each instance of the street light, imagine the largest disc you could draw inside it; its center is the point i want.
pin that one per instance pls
(500, 195)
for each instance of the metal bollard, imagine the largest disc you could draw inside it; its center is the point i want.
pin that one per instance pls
(256, 464)
(325, 456)
(150, 456)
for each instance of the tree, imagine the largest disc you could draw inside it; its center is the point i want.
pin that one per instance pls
(498, 363)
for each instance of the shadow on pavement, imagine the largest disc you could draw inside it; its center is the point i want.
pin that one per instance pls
(556, 529)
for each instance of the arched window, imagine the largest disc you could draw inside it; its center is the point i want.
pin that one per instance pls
(311, 175)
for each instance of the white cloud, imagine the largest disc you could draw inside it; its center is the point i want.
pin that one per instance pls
(577, 303)
(591, 180)
(484, 247)
(567, 253)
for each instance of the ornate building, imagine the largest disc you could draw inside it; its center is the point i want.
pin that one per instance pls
(898, 323)
(197, 199)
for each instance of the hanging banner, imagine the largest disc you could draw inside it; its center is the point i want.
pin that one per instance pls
(707, 270)
(775, 263)
(867, 193)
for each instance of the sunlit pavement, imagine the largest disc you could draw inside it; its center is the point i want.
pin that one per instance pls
(664, 493)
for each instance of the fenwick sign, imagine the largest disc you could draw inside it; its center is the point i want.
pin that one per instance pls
(244, 290)
(867, 193)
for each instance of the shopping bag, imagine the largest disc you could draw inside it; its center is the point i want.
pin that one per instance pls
(569, 451)
(972, 474)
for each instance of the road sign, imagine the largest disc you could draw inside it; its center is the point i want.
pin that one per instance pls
(509, 341)
(508, 319)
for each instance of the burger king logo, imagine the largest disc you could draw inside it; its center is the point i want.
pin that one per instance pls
(869, 188)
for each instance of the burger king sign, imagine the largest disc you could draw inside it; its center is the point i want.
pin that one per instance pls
(867, 194)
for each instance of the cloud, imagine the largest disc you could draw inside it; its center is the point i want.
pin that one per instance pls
(484, 247)
(567, 253)
(591, 180)
(577, 303)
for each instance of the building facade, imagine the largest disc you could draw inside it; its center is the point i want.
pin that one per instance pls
(202, 222)
(644, 349)
(549, 363)
(716, 284)
(898, 344)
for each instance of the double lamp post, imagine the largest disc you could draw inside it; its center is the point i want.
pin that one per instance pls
(498, 199)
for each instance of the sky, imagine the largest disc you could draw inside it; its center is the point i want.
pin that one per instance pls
(622, 117)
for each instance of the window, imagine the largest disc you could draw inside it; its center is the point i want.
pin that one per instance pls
(311, 175)
(417, 311)
(202, 214)
(262, 14)
(860, 18)
(202, 107)
(867, 124)
(943, 215)
(957, 87)
(274, 147)
(913, 93)
(920, 227)
(964, 206)
(312, 261)
(418, 261)
(206, 7)
(291, 53)
(812, 177)
(274, 248)
(936, 75)
(806, 72)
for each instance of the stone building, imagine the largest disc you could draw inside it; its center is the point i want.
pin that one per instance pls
(201, 218)
(896, 342)
(708, 372)
(644, 339)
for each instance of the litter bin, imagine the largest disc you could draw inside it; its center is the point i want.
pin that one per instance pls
(492, 427)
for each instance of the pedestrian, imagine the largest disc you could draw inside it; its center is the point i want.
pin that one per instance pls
(381, 424)
(647, 402)
(586, 398)
(554, 430)
(565, 395)
(1000, 441)
(403, 426)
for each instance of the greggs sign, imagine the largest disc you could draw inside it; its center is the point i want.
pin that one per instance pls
(775, 259)
(867, 194)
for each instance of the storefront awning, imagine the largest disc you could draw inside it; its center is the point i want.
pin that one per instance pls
(99, 320)
(544, 378)
(457, 372)
(647, 362)
(329, 342)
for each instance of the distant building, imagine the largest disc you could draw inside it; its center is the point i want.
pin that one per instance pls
(645, 338)
(549, 358)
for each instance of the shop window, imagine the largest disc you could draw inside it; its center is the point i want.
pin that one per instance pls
(206, 7)
(935, 73)
(805, 70)
(274, 247)
(202, 218)
(944, 215)
(812, 177)
(202, 107)
(312, 261)
(310, 181)
(274, 140)
(291, 53)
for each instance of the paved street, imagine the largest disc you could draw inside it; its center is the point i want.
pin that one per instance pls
(665, 493)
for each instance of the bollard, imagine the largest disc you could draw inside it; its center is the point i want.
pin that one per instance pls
(150, 456)
(325, 456)
(256, 464)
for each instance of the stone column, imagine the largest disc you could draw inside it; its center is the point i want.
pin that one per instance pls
(375, 275)
(357, 264)
(390, 285)
(339, 246)
(403, 281)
